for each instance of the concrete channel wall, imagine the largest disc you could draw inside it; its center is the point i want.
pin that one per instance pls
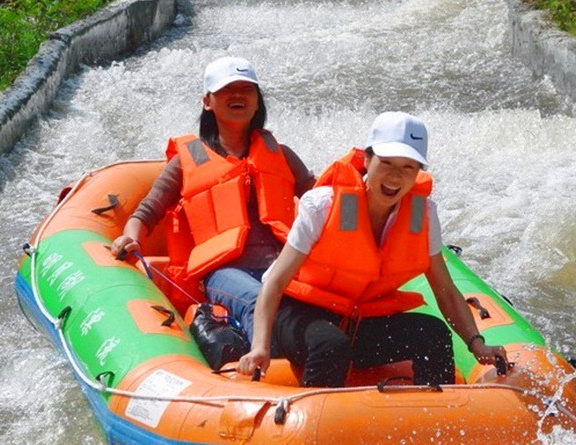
(543, 48)
(116, 30)
(126, 24)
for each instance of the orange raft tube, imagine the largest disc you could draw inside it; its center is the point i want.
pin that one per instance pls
(148, 383)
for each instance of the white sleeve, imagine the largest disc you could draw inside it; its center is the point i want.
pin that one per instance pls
(435, 233)
(313, 210)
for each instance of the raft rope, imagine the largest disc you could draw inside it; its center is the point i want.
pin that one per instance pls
(282, 403)
(149, 268)
(553, 405)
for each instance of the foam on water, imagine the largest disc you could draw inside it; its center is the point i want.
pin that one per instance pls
(501, 151)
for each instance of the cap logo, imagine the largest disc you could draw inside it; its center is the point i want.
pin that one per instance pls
(416, 138)
(240, 70)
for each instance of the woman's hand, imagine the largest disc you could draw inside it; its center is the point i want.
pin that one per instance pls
(454, 308)
(267, 303)
(491, 355)
(123, 245)
(128, 241)
(257, 358)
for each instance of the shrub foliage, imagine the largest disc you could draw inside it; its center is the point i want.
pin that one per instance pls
(25, 24)
(563, 12)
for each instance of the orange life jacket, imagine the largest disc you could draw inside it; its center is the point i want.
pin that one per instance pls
(346, 272)
(215, 192)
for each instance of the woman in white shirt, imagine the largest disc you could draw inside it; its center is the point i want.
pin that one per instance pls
(355, 241)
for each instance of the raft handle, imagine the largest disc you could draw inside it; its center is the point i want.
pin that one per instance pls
(62, 317)
(281, 411)
(501, 368)
(384, 383)
(473, 301)
(100, 378)
(28, 249)
(257, 375)
(224, 371)
(551, 408)
(171, 317)
(456, 249)
(114, 202)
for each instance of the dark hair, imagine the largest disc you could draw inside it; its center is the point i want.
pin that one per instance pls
(209, 128)
(368, 154)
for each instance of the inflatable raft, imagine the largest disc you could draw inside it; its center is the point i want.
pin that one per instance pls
(148, 383)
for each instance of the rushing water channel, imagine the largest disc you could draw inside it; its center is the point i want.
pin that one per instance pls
(501, 144)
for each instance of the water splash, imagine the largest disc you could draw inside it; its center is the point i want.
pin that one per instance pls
(501, 146)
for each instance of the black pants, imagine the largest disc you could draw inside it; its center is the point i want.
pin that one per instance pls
(310, 338)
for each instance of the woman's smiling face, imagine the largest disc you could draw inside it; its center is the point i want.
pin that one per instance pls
(237, 101)
(389, 179)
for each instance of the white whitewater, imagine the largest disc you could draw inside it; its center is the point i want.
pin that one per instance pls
(501, 145)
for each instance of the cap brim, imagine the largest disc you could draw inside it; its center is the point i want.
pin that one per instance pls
(398, 149)
(228, 81)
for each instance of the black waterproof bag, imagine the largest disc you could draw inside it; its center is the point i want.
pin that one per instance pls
(219, 339)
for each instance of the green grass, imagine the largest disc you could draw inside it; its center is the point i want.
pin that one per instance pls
(563, 12)
(25, 24)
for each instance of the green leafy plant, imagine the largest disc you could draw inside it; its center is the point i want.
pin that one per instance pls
(25, 24)
(563, 12)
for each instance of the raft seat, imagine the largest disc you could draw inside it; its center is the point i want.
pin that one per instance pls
(282, 372)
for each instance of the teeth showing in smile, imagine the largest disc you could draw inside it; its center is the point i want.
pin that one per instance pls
(387, 191)
(236, 105)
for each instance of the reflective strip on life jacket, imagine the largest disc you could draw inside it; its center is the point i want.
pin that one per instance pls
(349, 212)
(198, 152)
(417, 214)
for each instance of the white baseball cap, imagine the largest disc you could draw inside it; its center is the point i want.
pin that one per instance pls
(226, 70)
(395, 133)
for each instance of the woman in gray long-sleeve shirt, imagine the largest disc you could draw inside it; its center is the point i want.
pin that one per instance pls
(233, 109)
